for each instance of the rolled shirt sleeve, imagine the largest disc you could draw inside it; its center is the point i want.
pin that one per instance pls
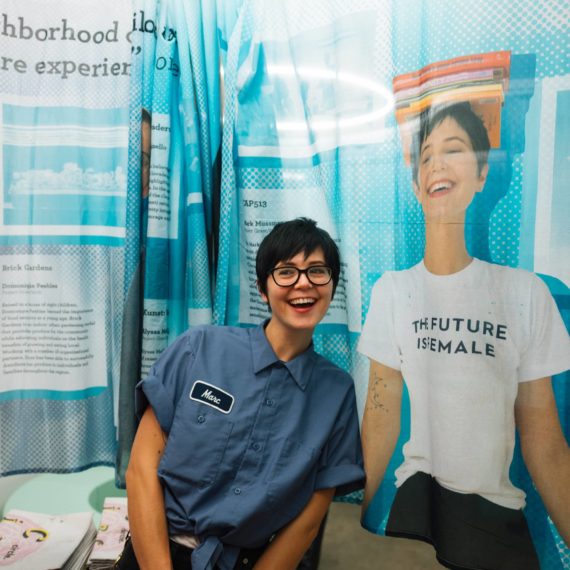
(378, 338)
(162, 387)
(548, 348)
(341, 464)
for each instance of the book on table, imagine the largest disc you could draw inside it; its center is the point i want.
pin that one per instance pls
(111, 535)
(37, 541)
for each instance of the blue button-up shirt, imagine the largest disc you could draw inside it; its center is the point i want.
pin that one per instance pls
(250, 438)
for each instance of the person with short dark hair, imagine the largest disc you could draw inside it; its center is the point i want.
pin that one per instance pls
(476, 344)
(246, 434)
(289, 238)
(467, 120)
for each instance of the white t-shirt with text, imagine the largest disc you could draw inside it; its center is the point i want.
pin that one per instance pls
(463, 342)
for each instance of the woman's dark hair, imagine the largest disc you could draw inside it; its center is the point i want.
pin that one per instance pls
(466, 118)
(286, 240)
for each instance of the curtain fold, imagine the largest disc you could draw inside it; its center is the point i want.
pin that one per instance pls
(174, 135)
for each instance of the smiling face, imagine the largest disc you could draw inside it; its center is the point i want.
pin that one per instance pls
(302, 306)
(448, 173)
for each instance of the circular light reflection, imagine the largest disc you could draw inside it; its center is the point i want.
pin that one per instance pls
(337, 76)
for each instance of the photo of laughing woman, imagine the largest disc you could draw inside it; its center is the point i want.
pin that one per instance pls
(475, 344)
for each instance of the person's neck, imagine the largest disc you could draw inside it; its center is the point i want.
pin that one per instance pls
(287, 345)
(445, 251)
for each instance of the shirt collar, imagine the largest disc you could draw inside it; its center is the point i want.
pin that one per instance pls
(300, 368)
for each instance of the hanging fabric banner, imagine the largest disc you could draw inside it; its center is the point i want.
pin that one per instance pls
(63, 173)
(174, 139)
(280, 93)
(323, 106)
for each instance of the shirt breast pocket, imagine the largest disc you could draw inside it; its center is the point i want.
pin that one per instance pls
(196, 446)
(291, 482)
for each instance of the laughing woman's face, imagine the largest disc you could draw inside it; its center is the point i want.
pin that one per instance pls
(448, 173)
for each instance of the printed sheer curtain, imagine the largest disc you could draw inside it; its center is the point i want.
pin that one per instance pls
(174, 141)
(311, 129)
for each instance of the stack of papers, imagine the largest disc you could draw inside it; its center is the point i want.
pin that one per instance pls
(481, 79)
(36, 541)
(112, 534)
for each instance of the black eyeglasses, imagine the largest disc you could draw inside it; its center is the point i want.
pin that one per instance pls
(287, 276)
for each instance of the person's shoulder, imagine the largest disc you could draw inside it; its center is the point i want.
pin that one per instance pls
(195, 335)
(216, 330)
(391, 282)
(217, 334)
(512, 276)
(514, 283)
(332, 373)
(394, 277)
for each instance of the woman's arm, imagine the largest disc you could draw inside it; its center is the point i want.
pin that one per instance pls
(380, 425)
(287, 549)
(544, 449)
(147, 519)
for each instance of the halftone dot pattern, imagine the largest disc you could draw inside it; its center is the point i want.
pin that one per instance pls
(198, 274)
(277, 178)
(115, 310)
(193, 108)
(194, 80)
(61, 436)
(336, 345)
(520, 26)
(166, 57)
(228, 212)
(69, 435)
(270, 17)
(561, 547)
(133, 202)
(383, 49)
(504, 227)
(128, 375)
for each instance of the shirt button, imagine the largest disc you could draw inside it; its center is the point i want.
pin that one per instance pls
(237, 491)
(256, 446)
(201, 419)
(245, 561)
(269, 402)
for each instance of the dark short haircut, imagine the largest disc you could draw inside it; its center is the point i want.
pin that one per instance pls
(465, 117)
(286, 240)
(146, 116)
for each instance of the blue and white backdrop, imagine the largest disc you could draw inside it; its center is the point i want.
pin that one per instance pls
(106, 258)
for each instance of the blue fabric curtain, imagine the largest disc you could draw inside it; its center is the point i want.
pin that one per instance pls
(174, 140)
(64, 89)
